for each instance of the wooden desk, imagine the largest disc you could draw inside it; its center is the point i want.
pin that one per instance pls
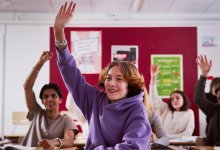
(40, 148)
(70, 148)
(201, 148)
(14, 135)
(191, 147)
(79, 143)
(14, 138)
(178, 143)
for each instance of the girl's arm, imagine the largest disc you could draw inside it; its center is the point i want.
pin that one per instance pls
(161, 137)
(153, 93)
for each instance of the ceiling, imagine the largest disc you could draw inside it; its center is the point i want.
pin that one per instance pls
(114, 6)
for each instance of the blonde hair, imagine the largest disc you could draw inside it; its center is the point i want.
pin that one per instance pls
(148, 104)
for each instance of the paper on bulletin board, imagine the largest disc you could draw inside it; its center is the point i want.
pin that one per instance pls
(125, 53)
(170, 75)
(86, 48)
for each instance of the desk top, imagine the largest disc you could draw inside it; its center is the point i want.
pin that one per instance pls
(6, 141)
(70, 148)
(79, 143)
(13, 135)
(192, 147)
(183, 143)
(201, 148)
(189, 140)
(18, 146)
(76, 145)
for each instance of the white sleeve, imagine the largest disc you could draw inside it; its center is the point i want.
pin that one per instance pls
(189, 125)
(159, 104)
(74, 109)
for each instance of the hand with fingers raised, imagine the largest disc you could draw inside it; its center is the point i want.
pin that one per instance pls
(204, 64)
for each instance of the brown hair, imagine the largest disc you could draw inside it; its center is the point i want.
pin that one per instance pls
(130, 73)
(186, 102)
(50, 86)
(216, 90)
(214, 85)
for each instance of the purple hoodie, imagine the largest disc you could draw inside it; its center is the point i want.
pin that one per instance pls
(122, 125)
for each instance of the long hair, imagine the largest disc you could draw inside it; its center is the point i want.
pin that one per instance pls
(148, 104)
(214, 85)
(130, 73)
(186, 102)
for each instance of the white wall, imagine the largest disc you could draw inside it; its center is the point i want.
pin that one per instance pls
(25, 40)
(212, 34)
(24, 44)
(1, 74)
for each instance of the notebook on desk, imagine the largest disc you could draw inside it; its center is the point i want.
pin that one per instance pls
(184, 139)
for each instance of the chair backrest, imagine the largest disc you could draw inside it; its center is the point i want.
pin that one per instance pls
(19, 118)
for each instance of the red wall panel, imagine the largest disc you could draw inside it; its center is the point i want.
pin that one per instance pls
(151, 40)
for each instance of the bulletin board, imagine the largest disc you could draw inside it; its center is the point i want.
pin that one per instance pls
(87, 49)
(150, 41)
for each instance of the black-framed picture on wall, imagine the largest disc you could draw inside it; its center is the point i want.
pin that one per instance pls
(125, 53)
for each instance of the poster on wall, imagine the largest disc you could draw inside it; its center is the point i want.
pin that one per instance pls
(209, 41)
(86, 48)
(170, 75)
(125, 53)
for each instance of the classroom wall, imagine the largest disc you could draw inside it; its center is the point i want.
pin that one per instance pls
(24, 44)
(209, 34)
(1, 75)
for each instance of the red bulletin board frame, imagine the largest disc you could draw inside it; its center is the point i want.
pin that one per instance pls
(150, 40)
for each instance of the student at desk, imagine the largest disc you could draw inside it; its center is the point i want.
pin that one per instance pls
(171, 112)
(211, 96)
(48, 128)
(116, 115)
(158, 135)
(210, 109)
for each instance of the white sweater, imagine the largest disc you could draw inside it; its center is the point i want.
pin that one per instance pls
(178, 123)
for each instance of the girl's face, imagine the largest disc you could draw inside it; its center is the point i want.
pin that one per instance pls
(51, 99)
(176, 101)
(116, 87)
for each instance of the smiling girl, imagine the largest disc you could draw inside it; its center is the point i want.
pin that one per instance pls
(116, 116)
